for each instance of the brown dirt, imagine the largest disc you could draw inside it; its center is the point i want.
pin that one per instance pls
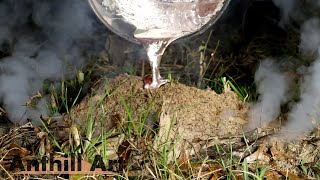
(200, 119)
(196, 114)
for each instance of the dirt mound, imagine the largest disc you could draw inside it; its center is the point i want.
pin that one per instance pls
(170, 127)
(195, 113)
(186, 122)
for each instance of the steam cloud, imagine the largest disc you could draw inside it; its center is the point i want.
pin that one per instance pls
(304, 115)
(286, 7)
(273, 87)
(47, 40)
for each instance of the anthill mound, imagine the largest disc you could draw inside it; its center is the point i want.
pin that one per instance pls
(195, 114)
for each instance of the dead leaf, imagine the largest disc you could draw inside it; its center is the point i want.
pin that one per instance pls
(30, 100)
(277, 152)
(19, 151)
(183, 160)
(271, 175)
(124, 154)
(165, 122)
(290, 175)
(110, 178)
(42, 135)
(36, 130)
(217, 171)
(76, 136)
(260, 155)
(164, 131)
(214, 170)
(171, 168)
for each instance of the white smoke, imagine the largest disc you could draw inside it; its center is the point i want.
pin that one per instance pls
(47, 40)
(272, 86)
(310, 38)
(287, 8)
(304, 115)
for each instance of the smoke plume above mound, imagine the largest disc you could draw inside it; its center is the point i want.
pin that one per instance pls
(272, 86)
(40, 40)
(303, 115)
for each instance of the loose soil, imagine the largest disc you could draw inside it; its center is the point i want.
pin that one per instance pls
(195, 122)
(195, 114)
